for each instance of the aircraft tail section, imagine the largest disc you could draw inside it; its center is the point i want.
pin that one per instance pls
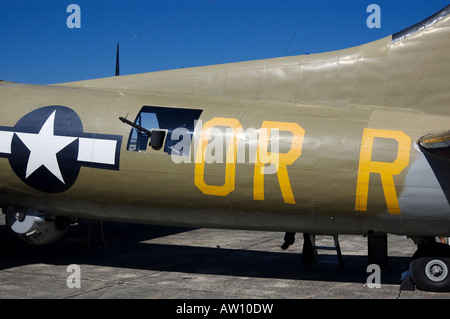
(409, 69)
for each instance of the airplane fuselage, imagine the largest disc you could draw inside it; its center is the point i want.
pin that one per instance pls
(343, 142)
(247, 163)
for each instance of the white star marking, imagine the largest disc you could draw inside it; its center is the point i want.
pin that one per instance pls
(44, 146)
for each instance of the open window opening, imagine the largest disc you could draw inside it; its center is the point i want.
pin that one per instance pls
(153, 127)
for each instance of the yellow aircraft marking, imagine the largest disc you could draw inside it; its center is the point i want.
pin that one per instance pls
(262, 157)
(386, 170)
(230, 168)
(279, 160)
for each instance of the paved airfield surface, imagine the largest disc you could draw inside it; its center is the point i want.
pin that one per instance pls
(142, 261)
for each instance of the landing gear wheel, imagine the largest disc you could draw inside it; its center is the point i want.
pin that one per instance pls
(436, 270)
(430, 269)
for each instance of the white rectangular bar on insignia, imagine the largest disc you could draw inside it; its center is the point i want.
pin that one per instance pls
(99, 151)
(5, 142)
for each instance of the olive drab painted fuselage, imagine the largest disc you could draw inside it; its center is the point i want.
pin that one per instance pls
(324, 143)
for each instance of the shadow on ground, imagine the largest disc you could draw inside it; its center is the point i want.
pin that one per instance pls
(126, 248)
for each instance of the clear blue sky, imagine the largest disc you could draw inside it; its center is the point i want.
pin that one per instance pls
(36, 46)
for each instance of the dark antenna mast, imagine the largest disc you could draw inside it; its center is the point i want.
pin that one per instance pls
(117, 61)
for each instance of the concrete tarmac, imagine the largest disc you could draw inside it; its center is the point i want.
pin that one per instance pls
(144, 261)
